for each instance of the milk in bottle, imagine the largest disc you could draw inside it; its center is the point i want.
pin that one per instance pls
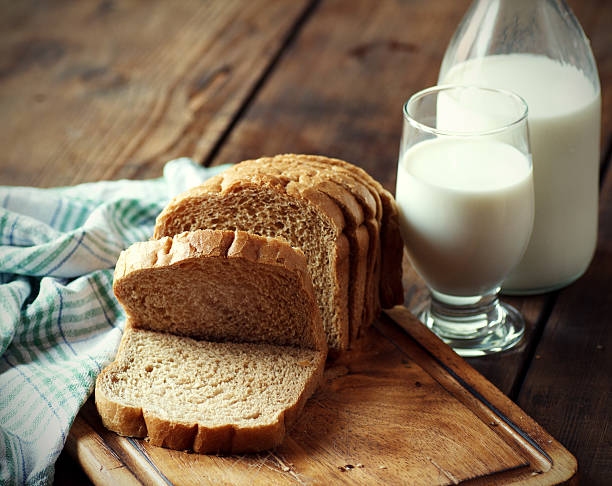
(564, 120)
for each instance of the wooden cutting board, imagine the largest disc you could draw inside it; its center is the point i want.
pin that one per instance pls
(400, 409)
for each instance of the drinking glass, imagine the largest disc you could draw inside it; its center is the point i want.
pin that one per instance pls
(466, 205)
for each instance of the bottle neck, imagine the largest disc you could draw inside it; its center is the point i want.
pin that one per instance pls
(524, 10)
(540, 27)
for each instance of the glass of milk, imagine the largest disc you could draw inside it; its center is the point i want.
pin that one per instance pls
(466, 203)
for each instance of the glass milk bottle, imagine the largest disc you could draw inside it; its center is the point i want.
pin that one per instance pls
(537, 49)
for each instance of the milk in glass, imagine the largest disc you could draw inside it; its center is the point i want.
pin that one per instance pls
(465, 211)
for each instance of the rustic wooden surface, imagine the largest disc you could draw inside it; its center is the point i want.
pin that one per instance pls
(389, 412)
(108, 89)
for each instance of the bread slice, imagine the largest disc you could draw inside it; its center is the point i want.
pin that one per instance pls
(204, 396)
(220, 286)
(265, 204)
(263, 355)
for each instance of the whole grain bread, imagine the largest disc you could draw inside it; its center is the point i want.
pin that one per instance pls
(392, 245)
(359, 209)
(381, 219)
(220, 286)
(270, 205)
(311, 173)
(243, 385)
(205, 396)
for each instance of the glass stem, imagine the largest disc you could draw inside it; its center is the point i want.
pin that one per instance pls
(463, 317)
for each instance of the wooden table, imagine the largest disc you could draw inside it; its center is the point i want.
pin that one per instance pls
(108, 90)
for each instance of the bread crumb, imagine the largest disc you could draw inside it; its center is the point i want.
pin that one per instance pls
(382, 467)
(359, 465)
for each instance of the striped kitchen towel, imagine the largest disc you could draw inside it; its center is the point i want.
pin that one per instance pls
(59, 321)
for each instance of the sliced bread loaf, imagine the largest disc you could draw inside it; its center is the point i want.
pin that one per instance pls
(380, 217)
(388, 268)
(361, 233)
(336, 174)
(266, 204)
(239, 395)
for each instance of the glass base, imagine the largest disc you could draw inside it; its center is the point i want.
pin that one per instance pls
(473, 326)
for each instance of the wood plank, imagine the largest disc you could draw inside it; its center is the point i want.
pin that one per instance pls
(568, 387)
(95, 459)
(108, 90)
(390, 412)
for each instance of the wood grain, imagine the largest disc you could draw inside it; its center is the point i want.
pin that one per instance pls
(388, 413)
(92, 90)
(106, 90)
(486, 401)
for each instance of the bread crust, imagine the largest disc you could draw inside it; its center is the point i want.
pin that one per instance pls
(136, 421)
(337, 170)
